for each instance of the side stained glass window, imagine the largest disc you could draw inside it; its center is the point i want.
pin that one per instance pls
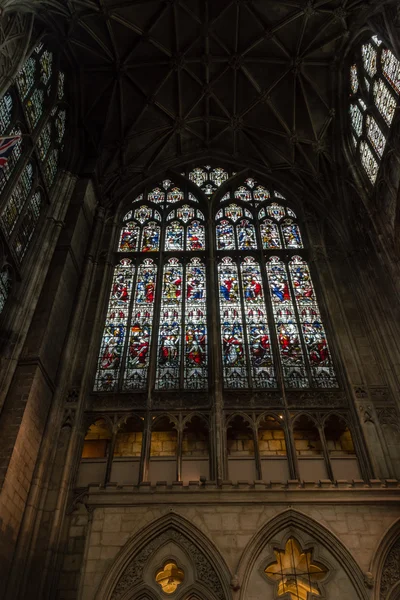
(6, 107)
(141, 325)
(196, 362)
(373, 103)
(169, 335)
(112, 345)
(312, 329)
(287, 330)
(232, 330)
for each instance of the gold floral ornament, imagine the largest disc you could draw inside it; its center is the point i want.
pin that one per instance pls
(169, 577)
(295, 572)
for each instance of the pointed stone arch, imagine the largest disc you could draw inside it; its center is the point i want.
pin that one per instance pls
(385, 565)
(304, 524)
(127, 569)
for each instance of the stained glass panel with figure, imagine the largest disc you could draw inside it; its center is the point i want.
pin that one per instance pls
(375, 136)
(291, 234)
(232, 333)
(368, 161)
(151, 237)
(384, 100)
(51, 167)
(287, 331)
(113, 340)
(391, 69)
(34, 107)
(369, 55)
(356, 119)
(246, 235)
(354, 79)
(195, 357)
(169, 333)
(44, 141)
(140, 328)
(196, 236)
(129, 238)
(258, 338)
(174, 236)
(17, 200)
(312, 328)
(6, 107)
(270, 235)
(225, 236)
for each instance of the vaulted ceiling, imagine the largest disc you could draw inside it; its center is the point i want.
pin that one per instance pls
(166, 81)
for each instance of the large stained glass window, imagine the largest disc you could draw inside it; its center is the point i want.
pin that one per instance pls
(39, 117)
(247, 349)
(374, 96)
(270, 330)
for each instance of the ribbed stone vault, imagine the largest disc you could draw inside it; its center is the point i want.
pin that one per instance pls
(247, 80)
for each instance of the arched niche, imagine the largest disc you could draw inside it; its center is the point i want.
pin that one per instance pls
(163, 450)
(195, 450)
(308, 448)
(95, 450)
(340, 446)
(343, 579)
(240, 449)
(127, 451)
(385, 565)
(132, 576)
(272, 449)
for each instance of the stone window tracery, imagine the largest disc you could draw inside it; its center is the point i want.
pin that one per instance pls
(374, 95)
(158, 322)
(33, 107)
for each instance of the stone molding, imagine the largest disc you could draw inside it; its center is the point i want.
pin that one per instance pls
(304, 524)
(127, 569)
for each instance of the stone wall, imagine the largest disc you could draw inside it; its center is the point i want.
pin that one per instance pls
(230, 528)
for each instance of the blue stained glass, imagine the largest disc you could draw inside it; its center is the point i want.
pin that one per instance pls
(174, 236)
(157, 196)
(196, 236)
(275, 211)
(151, 237)
(232, 333)
(270, 235)
(287, 331)
(185, 213)
(243, 194)
(113, 340)
(169, 336)
(225, 236)
(258, 338)
(141, 324)
(319, 358)
(129, 239)
(196, 372)
(246, 235)
(291, 234)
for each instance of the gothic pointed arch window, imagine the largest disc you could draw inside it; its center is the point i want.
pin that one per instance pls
(33, 113)
(172, 242)
(374, 82)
